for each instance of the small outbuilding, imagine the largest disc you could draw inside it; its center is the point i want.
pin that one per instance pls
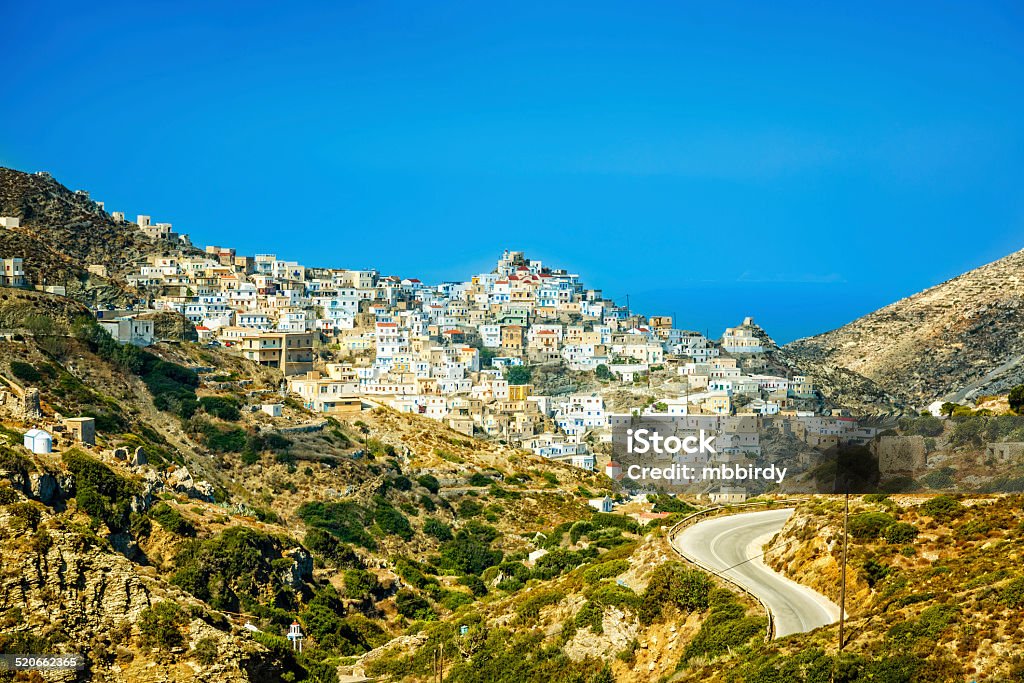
(82, 429)
(38, 441)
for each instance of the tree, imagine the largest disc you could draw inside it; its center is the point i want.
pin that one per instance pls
(948, 407)
(518, 374)
(602, 372)
(1016, 398)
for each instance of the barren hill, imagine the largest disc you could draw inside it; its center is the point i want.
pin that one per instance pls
(955, 340)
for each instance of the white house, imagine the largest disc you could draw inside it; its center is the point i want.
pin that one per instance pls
(38, 441)
(601, 504)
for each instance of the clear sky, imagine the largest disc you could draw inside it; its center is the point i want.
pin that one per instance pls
(803, 162)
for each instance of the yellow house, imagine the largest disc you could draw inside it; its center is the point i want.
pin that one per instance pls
(719, 404)
(519, 392)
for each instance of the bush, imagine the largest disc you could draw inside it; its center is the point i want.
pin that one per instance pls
(726, 627)
(25, 371)
(224, 440)
(530, 607)
(206, 652)
(556, 562)
(469, 508)
(171, 520)
(605, 570)
(160, 626)
(344, 520)
(237, 564)
(412, 606)
(672, 583)
(479, 479)
(222, 407)
(1016, 398)
(943, 508)
(578, 530)
(438, 529)
(429, 482)
(868, 526)
(360, 584)
(101, 493)
(468, 554)
(900, 532)
(518, 374)
(875, 571)
(1012, 594)
(392, 522)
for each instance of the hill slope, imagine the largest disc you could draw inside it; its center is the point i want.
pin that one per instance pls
(62, 232)
(955, 340)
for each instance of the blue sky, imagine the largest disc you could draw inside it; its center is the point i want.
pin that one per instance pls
(803, 162)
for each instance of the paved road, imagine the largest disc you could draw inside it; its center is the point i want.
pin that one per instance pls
(722, 544)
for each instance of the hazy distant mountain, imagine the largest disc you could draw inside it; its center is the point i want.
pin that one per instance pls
(959, 339)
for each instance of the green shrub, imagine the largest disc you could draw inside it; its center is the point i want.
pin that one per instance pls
(101, 493)
(206, 651)
(726, 627)
(345, 520)
(222, 407)
(171, 520)
(360, 584)
(875, 571)
(25, 371)
(438, 529)
(900, 532)
(469, 508)
(474, 584)
(160, 626)
(392, 522)
(237, 565)
(867, 526)
(412, 606)
(672, 583)
(468, 553)
(224, 440)
(578, 530)
(605, 570)
(1012, 594)
(429, 482)
(592, 615)
(479, 479)
(557, 562)
(943, 508)
(530, 607)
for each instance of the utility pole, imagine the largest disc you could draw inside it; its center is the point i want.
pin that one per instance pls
(842, 579)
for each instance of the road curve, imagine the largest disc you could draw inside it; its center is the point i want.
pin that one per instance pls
(725, 545)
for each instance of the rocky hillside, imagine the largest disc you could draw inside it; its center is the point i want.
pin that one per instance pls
(62, 232)
(184, 542)
(954, 341)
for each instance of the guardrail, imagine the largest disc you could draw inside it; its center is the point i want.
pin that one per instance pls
(688, 520)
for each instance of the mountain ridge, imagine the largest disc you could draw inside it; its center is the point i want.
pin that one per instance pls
(952, 341)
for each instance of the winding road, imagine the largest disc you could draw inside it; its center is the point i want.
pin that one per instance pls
(731, 546)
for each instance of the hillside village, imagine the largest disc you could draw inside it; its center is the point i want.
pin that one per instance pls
(488, 357)
(246, 449)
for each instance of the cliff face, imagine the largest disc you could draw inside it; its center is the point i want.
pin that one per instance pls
(954, 341)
